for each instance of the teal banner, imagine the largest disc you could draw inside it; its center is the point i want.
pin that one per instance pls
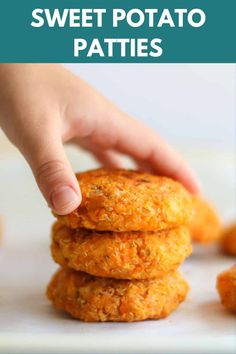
(112, 31)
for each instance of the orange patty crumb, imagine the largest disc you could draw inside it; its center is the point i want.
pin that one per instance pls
(90, 298)
(228, 240)
(125, 200)
(122, 255)
(226, 285)
(205, 226)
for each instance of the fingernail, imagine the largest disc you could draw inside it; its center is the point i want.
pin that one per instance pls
(64, 199)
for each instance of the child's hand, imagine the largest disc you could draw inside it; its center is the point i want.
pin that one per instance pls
(44, 106)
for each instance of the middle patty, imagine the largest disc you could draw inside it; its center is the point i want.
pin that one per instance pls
(121, 255)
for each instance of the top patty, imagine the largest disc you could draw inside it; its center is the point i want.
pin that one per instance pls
(125, 200)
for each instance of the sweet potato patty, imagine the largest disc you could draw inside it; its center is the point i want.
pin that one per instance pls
(124, 200)
(91, 298)
(122, 255)
(228, 241)
(226, 285)
(205, 226)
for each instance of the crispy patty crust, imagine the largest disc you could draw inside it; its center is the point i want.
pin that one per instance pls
(90, 298)
(125, 200)
(205, 226)
(122, 255)
(226, 285)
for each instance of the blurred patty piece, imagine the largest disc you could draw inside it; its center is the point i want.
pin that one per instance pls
(226, 285)
(205, 226)
(228, 240)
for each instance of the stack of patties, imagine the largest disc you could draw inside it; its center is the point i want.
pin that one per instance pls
(120, 250)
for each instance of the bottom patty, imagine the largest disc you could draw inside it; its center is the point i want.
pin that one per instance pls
(90, 298)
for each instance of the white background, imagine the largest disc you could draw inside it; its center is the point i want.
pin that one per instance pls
(187, 104)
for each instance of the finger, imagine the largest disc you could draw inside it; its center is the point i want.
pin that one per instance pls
(109, 159)
(142, 144)
(166, 161)
(144, 166)
(53, 173)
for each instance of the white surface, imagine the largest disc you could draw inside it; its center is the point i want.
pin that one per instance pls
(185, 103)
(29, 324)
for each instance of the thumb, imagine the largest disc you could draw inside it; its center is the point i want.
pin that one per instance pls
(54, 175)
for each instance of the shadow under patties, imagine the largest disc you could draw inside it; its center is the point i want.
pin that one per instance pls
(212, 313)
